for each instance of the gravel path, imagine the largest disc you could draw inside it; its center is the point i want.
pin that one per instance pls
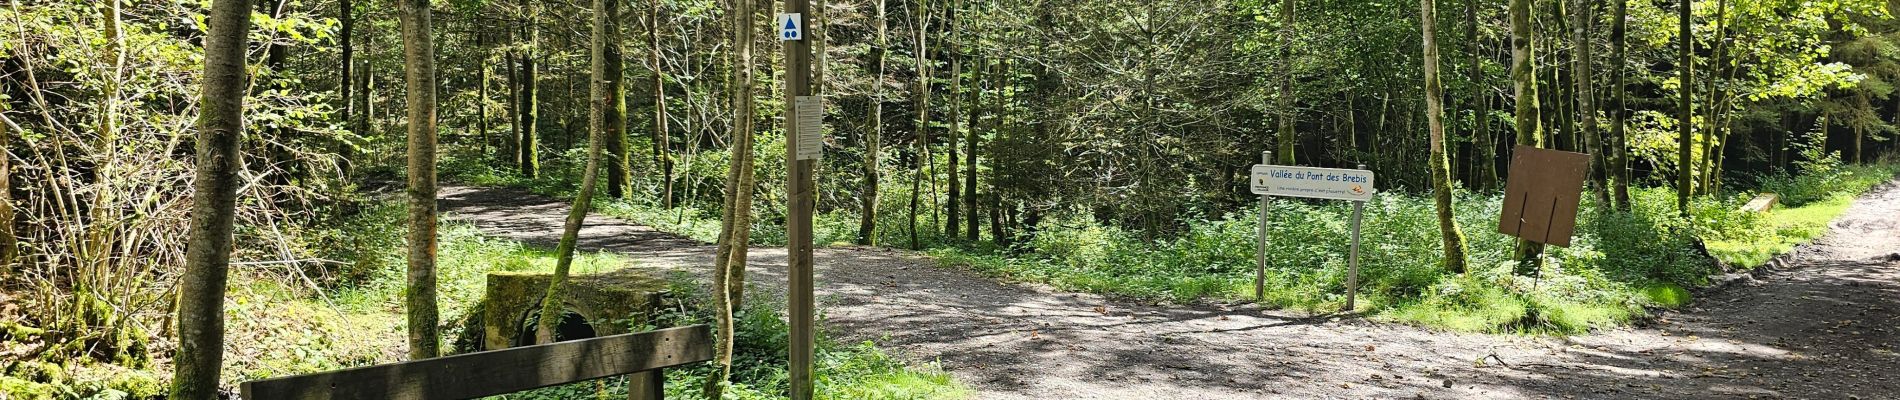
(1824, 327)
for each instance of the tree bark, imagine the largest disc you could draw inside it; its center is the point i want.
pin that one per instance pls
(9, 242)
(1529, 133)
(1580, 26)
(922, 133)
(600, 101)
(661, 148)
(953, 203)
(972, 217)
(509, 152)
(1710, 141)
(614, 123)
(1685, 135)
(730, 261)
(1288, 141)
(419, 72)
(481, 93)
(1619, 143)
(1453, 238)
(220, 123)
(346, 16)
(1484, 167)
(527, 157)
(867, 220)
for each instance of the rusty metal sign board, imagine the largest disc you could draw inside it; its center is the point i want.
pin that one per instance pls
(1542, 195)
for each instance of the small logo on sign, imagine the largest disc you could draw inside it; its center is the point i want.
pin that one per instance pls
(790, 27)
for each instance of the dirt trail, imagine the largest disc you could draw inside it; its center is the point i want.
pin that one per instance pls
(1825, 327)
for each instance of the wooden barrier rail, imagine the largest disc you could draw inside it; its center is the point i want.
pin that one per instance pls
(504, 371)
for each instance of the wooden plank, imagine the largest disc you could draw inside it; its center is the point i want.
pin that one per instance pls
(498, 372)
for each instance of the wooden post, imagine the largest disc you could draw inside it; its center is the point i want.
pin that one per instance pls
(800, 186)
(648, 385)
(1260, 238)
(1352, 266)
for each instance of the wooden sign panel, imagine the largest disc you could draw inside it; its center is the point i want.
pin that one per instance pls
(1542, 194)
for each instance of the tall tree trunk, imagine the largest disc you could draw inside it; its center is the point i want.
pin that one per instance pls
(1580, 27)
(614, 124)
(1685, 135)
(509, 152)
(419, 72)
(275, 55)
(999, 73)
(1454, 239)
(1529, 133)
(527, 156)
(346, 16)
(922, 134)
(662, 150)
(953, 203)
(1288, 140)
(1483, 165)
(481, 93)
(969, 142)
(9, 242)
(867, 220)
(600, 121)
(200, 352)
(730, 261)
(1619, 143)
(1713, 119)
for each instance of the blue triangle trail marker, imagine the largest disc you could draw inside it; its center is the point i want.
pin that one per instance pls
(790, 27)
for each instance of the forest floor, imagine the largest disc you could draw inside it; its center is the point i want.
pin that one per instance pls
(1824, 325)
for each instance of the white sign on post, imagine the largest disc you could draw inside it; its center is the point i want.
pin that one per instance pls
(810, 127)
(1319, 183)
(790, 27)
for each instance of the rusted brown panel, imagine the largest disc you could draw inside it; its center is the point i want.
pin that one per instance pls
(1542, 195)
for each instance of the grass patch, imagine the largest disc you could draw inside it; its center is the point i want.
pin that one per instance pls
(1809, 202)
(1618, 265)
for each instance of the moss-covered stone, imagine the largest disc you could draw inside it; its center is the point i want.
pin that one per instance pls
(608, 301)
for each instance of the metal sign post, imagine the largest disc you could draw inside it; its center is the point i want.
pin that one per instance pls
(1355, 185)
(803, 114)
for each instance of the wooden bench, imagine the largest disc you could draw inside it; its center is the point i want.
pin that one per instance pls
(643, 355)
(1761, 203)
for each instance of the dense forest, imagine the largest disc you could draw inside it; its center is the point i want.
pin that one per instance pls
(153, 148)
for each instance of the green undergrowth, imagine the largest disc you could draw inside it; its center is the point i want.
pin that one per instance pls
(1808, 202)
(283, 321)
(1618, 265)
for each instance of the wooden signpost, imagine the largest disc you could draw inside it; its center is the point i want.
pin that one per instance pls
(1353, 185)
(1542, 195)
(804, 128)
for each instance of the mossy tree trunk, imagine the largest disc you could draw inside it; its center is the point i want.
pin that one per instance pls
(730, 257)
(867, 217)
(1529, 129)
(419, 69)
(1287, 141)
(1619, 114)
(922, 133)
(661, 139)
(1685, 133)
(526, 146)
(1581, 21)
(614, 124)
(600, 120)
(1440, 164)
(214, 200)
